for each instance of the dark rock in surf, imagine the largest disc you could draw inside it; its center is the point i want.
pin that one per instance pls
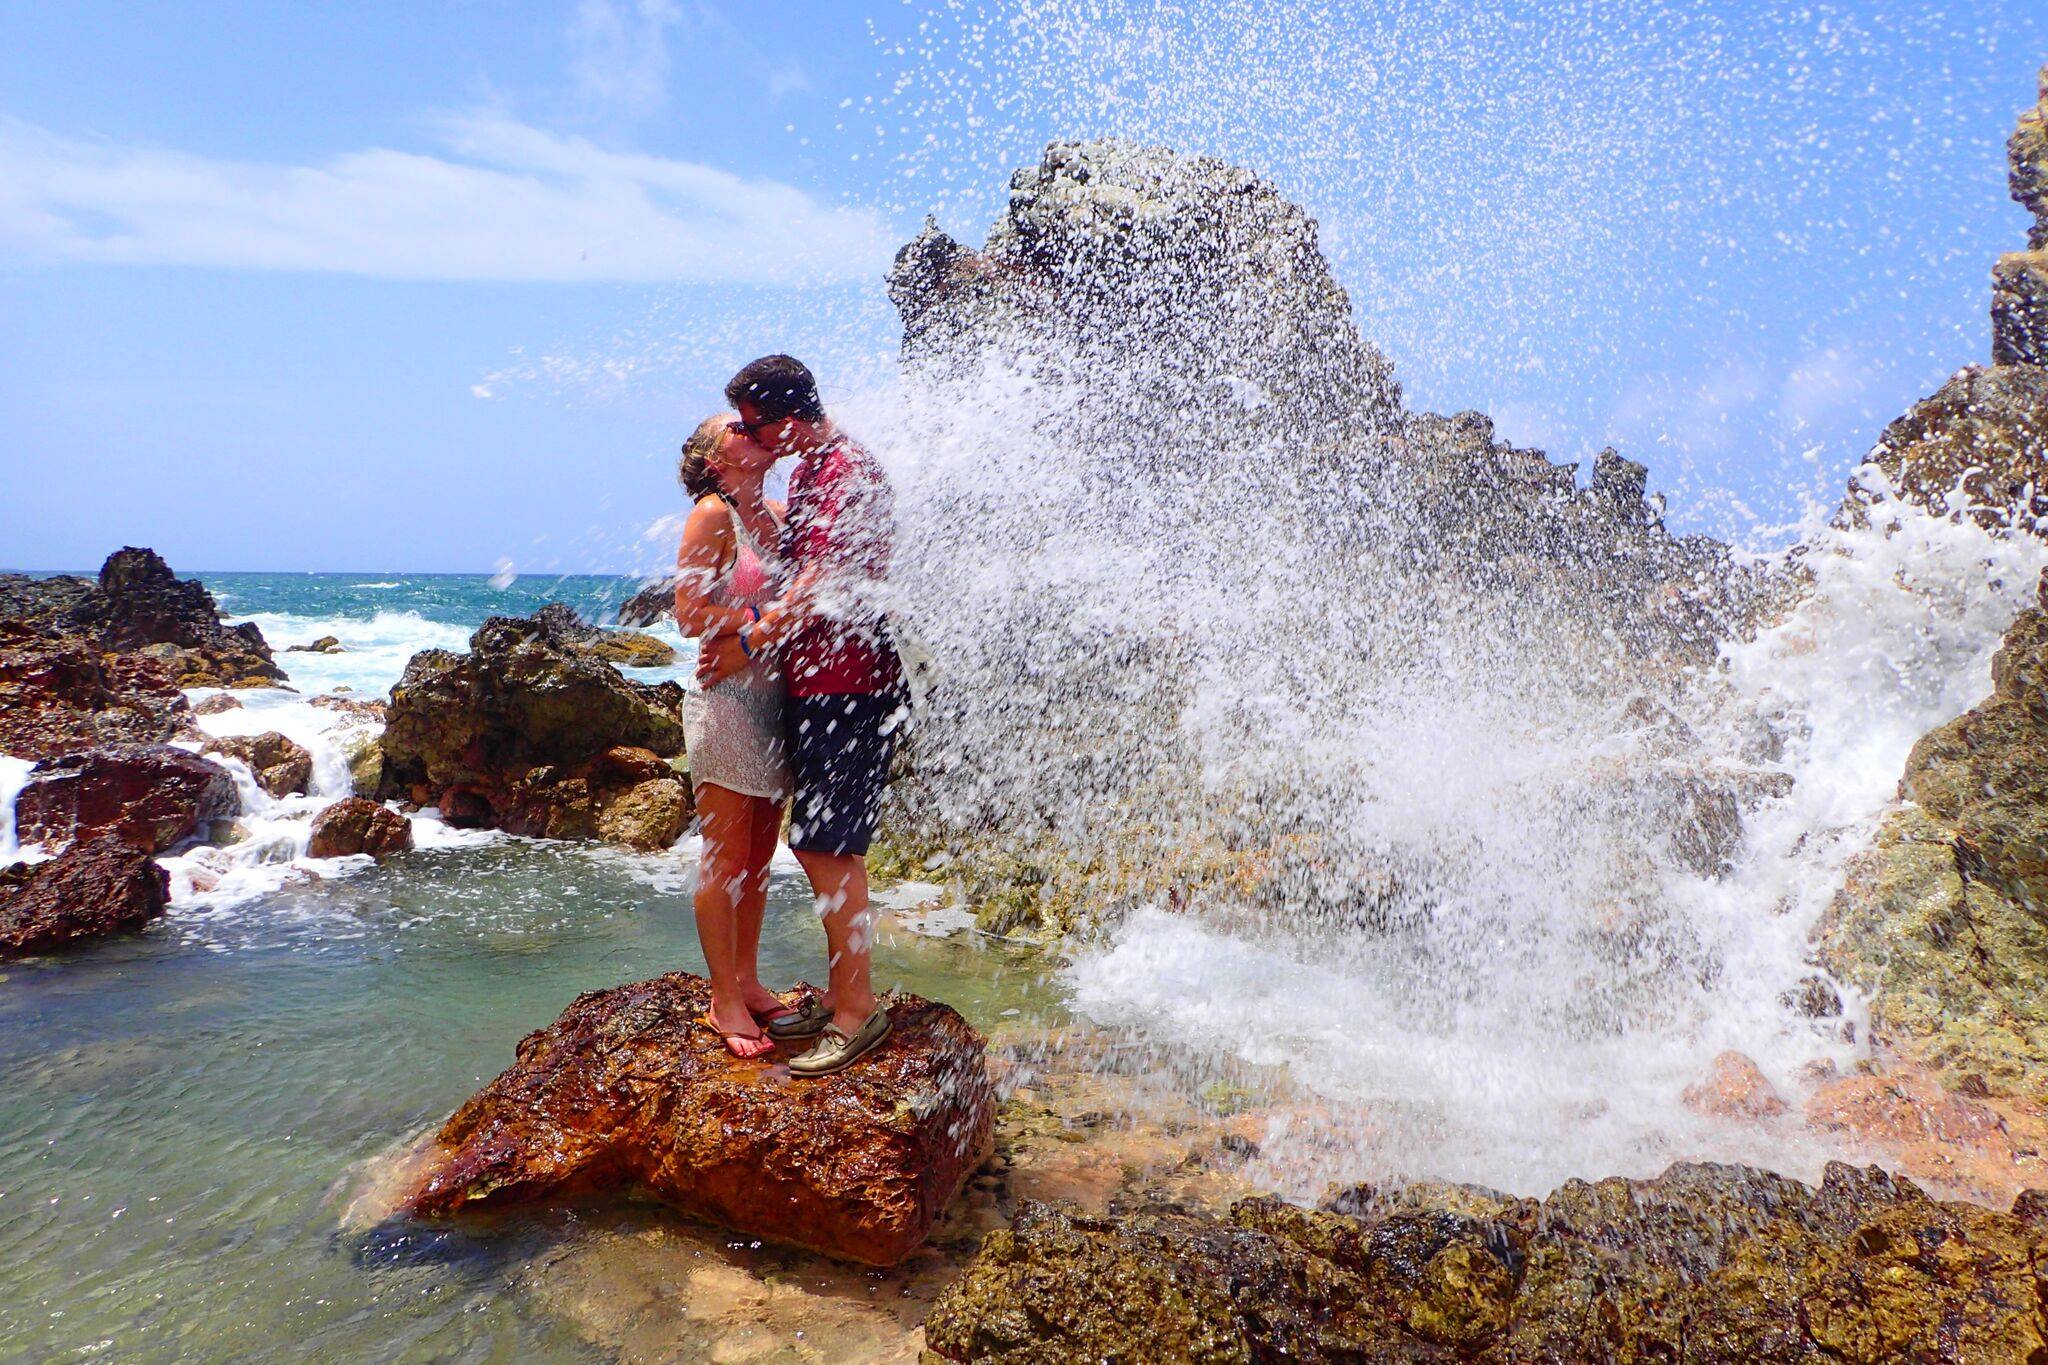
(530, 735)
(653, 603)
(280, 765)
(1985, 431)
(628, 1091)
(356, 825)
(1705, 1263)
(148, 796)
(326, 644)
(89, 891)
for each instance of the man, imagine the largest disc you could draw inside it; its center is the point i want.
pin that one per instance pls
(845, 695)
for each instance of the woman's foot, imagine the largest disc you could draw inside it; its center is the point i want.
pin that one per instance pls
(762, 1003)
(743, 1040)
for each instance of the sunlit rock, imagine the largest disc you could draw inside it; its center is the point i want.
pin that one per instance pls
(89, 891)
(531, 736)
(2019, 309)
(148, 796)
(626, 648)
(629, 1091)
(357, 825)
(281, 766)
(2028, 151)
(1704, 1263)
(1983, 435)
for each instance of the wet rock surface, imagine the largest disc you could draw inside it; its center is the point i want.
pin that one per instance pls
(148, 796)
(1704, 1263)
(60, 693)
(357, 825)
(281, 766)
(533, 737)
(629, 1091)
(1985, 431)
(89, 891)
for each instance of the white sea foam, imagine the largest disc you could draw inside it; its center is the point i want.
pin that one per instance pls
(1425, 1075)
(13, 774)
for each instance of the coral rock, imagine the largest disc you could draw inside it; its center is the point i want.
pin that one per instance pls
(1986, 429)
(281, 766)
(627, 1090)
(149, 796)
(355, 825)
(2019, 309)
(88, 891)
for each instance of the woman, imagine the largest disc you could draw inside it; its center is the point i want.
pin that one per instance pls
(733, 730)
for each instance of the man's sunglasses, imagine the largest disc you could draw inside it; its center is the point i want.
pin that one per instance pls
(739, 428)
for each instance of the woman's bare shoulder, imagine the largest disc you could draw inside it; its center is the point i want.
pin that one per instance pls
(709, 521)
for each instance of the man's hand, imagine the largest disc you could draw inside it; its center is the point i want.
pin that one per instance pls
(719, 658)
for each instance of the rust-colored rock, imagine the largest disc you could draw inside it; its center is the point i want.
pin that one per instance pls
(356, 825)
(218, 704)
(88, 891)
(148, 796)
(628, 1090)
(60, 693)
(1734, 1089)
(281, 766)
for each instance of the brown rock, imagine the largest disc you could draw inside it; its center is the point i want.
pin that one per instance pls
(60, 693)
(1704, 1264)
(536, 737)
(654, 602)
(282, 767)
(149, 796)
(2019, 309)
(367, 708)
(1983, 1147)
(1734, 1089)
(628, 1090)
(2027, 150)
(88, 891)
(326, 644)
(355, 825)
(216, 704)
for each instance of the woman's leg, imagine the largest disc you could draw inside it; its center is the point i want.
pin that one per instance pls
(727, 826)
(765, 817)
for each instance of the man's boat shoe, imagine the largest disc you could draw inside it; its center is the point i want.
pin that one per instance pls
(835, 1051)
(807, 1020)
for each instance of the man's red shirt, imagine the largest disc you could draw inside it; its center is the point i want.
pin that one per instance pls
(841, 515)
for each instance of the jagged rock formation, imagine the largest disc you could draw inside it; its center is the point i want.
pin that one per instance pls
(356, 825)
(630, 1091)
(91, 890)
(1111, 253)
(531, 736)
(655, 601)
(148, 796)
(1705, 1263)
(281, 766)
(60, 693)
(1944, 922)
(139, 607)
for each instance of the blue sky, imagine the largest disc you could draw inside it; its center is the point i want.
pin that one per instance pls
(426, 286)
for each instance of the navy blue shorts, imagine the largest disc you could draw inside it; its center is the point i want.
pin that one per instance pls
(839, 752)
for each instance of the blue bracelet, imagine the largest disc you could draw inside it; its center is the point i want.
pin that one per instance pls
(748, 653)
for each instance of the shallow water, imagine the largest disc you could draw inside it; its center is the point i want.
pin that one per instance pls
(185, 1111)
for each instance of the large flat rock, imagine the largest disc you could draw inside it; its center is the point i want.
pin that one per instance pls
(627, 1090)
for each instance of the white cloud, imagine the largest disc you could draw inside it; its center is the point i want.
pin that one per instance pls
(1823, 384)
(507, 201)
(619, 52)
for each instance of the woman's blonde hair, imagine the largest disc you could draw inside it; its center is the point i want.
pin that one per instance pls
(694, 471)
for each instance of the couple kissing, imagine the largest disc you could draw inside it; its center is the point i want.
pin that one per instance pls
(798, 696)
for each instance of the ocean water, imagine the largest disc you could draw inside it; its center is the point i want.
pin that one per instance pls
(185, 1112)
